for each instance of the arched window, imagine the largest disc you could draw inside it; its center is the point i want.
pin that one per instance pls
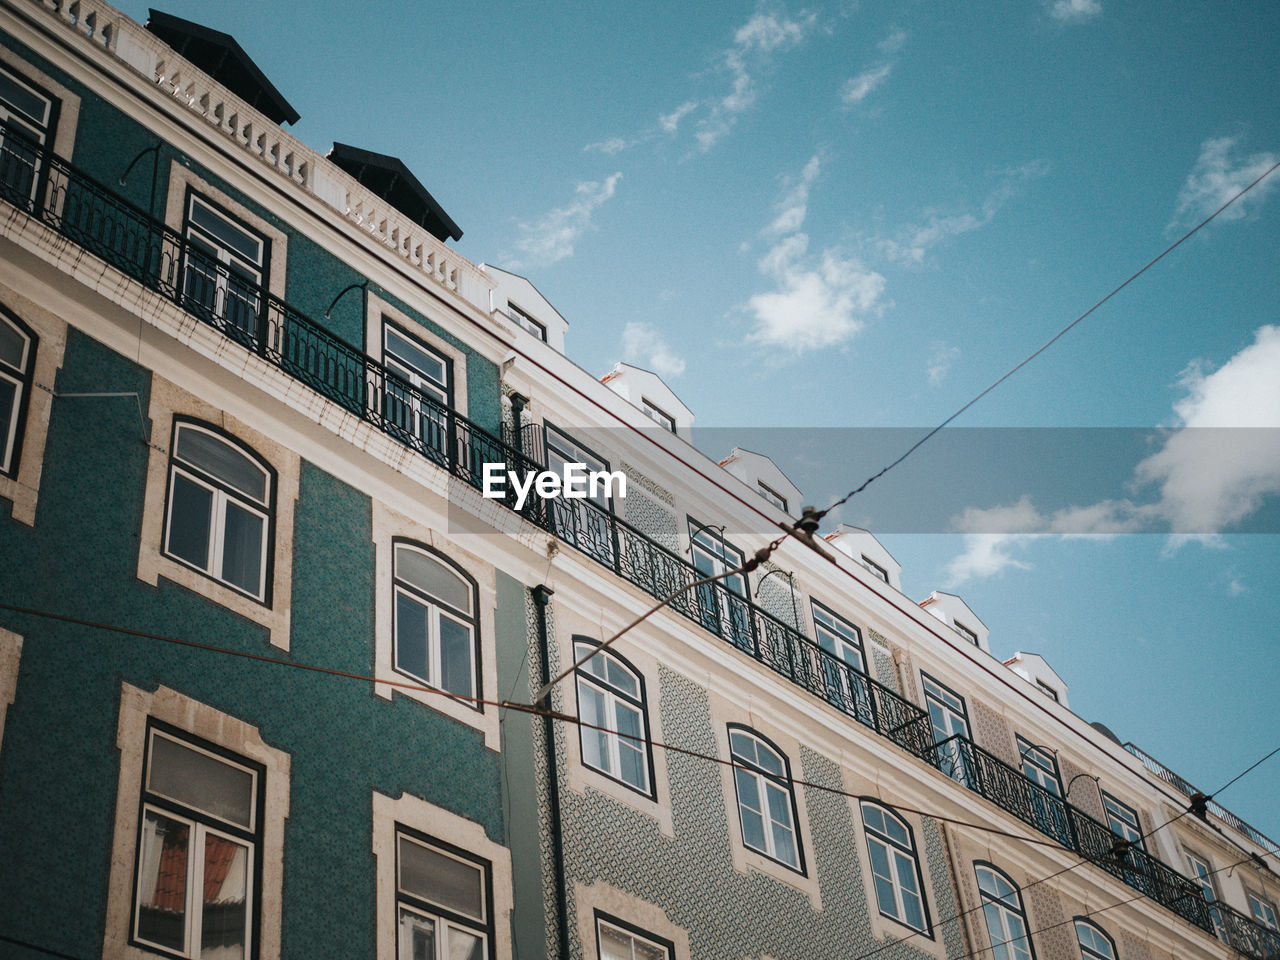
(1094, 942)
(17, 359)
(615, 729)
(1005, 917)
(220, 512)
(436, 628)
(766, 798)
(895, 867)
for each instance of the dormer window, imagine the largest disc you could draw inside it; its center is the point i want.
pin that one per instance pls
(882, 574)
(526, 322)
(658, 415)
(772, 495)
(1047, 690)
(969, 635)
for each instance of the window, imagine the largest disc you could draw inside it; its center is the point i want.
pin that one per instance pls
(895, 867)
(27, 117)
(1041, 768)
(658, 415)
(1094, 942)
(965, 632)
(526, 322)
(442, 900)
(1123, 820)
(17, 360)
(436, 629)
(219, 509)
(586, 523)
(199, 839)
(950, 723)
(1047, 690)
(844, 669)
(772, 495)
(1202, 875)
(881, 573)
(766, 804)
(1263, 910)
(723, 608)
(1002, 910)
(417, 407)
(620, 941)
(611, 704)
(225, 269)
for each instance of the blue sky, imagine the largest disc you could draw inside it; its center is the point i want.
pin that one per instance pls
(846, 215)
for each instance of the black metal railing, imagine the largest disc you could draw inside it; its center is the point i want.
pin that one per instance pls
(86, 212)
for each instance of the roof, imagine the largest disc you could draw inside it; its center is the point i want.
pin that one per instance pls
(390, 179)
(219, 55)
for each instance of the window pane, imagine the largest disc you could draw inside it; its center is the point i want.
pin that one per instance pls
(190, 521)
(441, 879)
(463, 945)
(752, 821)
(614, 944)
(421, 361)
(13, 345)
(417, 937)
(242, 549)
(8, 405)
(455, 657)
(162, 881)
(411, 637)
(223, 461)
(621, 679)
(224, 932)
(595, 743)
(225, 232)
(200, 781)
(433, 578)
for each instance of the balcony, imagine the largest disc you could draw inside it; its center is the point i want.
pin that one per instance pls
(84, 211)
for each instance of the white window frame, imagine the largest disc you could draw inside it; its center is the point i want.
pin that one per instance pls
(1039, 766)
(713, 555)
(657, 948)
(772, 495)
(202, 825)
(880, 572)
(948, 717)
(524, 321)
(426, 424)
(38, 129)
(1123, 820)
(444, 921)
(755, 784)
(1003, 914)
(1262, 910)
(20, 377)
(659, 416)
(902, 864)
(191, 721)
(1092, 951)
(1202, 874)
(614, 698)
(227, 262)
(222, 495)
(966, 632)
(437, 609)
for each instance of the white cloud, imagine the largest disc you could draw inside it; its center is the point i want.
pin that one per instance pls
(644, 346)
(1226, 461)
(1216, 468)
(1236, 587)
(551, 237)
(816, 302)
(1215, 179)
(1075, 11)
(754, 44)
(941, 357)
(670, 122)
(915, 241)
(893, 43)
(610, 146)
(857, 88)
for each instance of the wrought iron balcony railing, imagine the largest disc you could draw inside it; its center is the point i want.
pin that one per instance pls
(81, 209)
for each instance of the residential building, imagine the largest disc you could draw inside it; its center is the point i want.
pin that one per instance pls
(271, 662)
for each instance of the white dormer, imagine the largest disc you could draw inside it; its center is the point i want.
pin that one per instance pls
(955, 613)
(763, 476)
(647, 392)
(516, 302)
(1036, 671)
(864, 549)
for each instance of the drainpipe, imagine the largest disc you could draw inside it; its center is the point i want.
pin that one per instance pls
(541, 597)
